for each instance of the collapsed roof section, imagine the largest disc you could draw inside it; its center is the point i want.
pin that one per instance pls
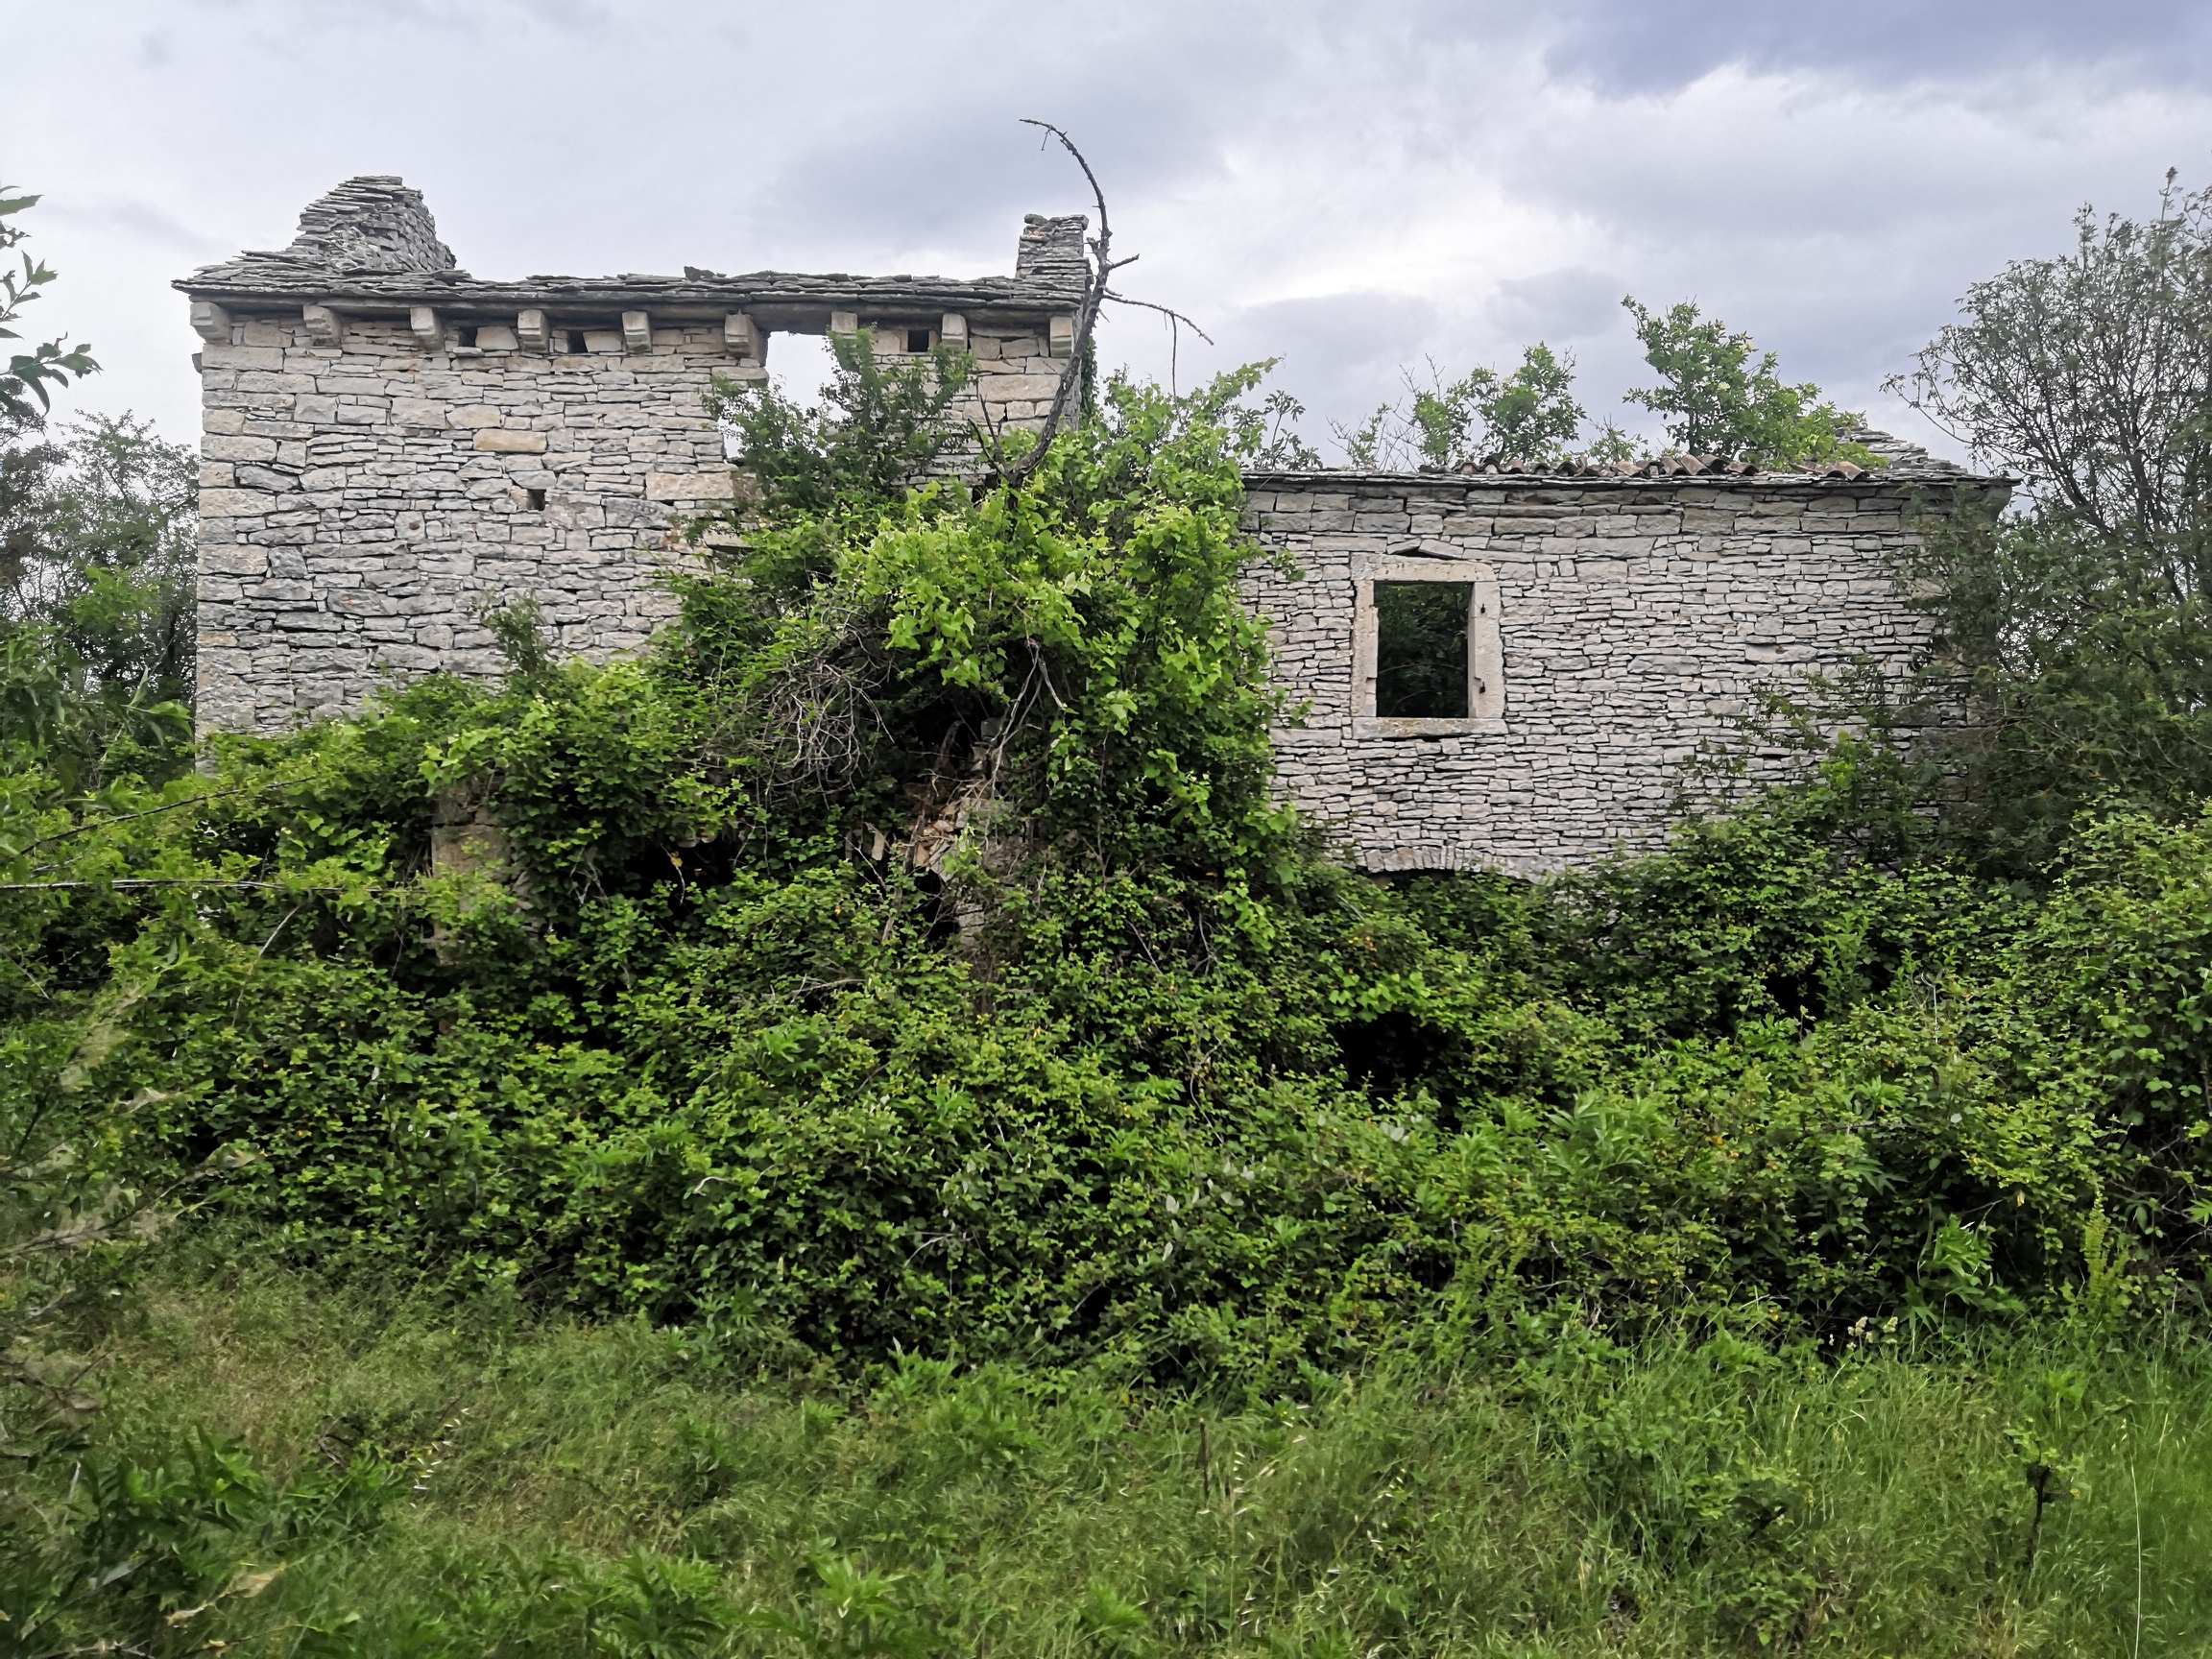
(371, 247)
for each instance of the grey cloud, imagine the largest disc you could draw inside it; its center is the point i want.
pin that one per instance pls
(1570, 303)
(1445, 178)
(1656, 45)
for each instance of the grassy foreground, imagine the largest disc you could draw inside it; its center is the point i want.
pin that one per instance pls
(447, 1480)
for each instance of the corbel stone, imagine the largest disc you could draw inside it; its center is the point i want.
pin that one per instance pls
(636, 332)
(324, 326)
(846, 323)
(743, 338)
(429, 332)
(530, 333)
(210, 322)
(952, 331)
(1061, 336)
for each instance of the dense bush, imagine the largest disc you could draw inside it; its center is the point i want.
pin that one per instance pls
(912, 957)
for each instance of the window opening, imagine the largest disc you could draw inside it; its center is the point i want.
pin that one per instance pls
(576, 345)
(916, 339)
(537, 500)
(468, 333)
(1421, 667)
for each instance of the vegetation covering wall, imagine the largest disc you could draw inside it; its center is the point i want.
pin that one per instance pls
(897, 1027)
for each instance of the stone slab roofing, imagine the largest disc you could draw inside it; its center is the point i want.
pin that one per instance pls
(372, 246)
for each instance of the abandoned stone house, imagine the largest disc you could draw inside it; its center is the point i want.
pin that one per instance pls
(1500, 668)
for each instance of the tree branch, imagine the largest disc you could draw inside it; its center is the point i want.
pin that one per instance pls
(1103, 267)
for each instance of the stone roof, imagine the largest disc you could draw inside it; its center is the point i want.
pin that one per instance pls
(372, 243)
(1901, 462)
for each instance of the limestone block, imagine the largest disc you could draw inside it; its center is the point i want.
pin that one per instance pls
(471, 414)
(717, 486)
(324, 326)
(742, 339)
(210, 322)
(847, 322)
(1020, 388)
(423, 322)
(532, 333)
(1062, 336)
(241, 356)
(636, 332)
(510, 442)
(417, 411)
(220, 449)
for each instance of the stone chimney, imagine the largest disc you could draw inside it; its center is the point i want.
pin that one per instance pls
(1051, 251)
(373, 222)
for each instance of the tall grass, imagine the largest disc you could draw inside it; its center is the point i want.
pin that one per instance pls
(562, 1488)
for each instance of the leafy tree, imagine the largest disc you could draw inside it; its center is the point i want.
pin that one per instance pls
(96, 542)
(1722, 396)
(2090, 374)
(29, 374)
(880, 428)
(2079, 625)
(1266, 438)
(1527, 414)
(96, 570)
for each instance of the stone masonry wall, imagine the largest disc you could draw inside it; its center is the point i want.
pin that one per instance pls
(360, 500)
(389, 442)
(356, 503)
(1632, 616)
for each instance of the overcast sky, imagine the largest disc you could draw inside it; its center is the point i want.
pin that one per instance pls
(1349, 186)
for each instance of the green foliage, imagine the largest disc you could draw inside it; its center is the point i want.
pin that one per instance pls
(2091, 374)
(1421, 649)
(1048, 1201)
(1528, 414)
(1723, 397)
(99, 547)
(29, 374)
(880, 429)
(2074, 628)
(917, 959)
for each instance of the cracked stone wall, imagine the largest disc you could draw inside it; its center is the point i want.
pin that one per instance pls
(1632, 618)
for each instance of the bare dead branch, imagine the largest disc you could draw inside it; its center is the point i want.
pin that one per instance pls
(1103, 267)
(1167, 311)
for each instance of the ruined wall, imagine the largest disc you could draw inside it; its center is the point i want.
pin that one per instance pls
(1631, 617)
(357, 502)
(388, 441)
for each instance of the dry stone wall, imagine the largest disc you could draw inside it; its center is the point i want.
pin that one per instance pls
(1633, 615)
(388, 443)
(359, 502)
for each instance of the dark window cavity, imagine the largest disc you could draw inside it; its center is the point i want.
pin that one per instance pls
(916, 339)
(576, 345)
(1421, 649)
(468, 333)
(537, 500)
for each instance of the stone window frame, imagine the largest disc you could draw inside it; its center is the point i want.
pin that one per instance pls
(1485, 651)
